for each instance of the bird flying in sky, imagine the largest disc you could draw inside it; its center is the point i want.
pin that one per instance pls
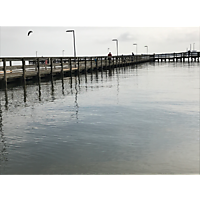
(30, 32)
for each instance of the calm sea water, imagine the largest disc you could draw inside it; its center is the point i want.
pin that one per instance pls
(133, 120)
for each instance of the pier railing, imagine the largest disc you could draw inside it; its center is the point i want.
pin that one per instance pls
(181, 56)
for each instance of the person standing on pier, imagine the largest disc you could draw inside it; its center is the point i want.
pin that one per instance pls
(132, 56)
(109, 56)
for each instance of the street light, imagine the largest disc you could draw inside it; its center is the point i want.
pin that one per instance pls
(63, 52)
(147, 48)
(136, 48)
(74, 41)
(116, 44)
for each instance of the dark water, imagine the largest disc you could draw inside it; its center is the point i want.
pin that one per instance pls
(134, 120)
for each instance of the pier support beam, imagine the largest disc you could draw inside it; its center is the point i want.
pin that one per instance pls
(24, 70)
(51, 64)
(101, 65)
(96, 64)
(91, 63)
(70, 65)
(4, 70)
(61, 60)
(85, 66)
(78, 67)
(38, 68)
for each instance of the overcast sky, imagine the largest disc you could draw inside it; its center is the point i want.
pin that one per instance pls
(51, 41)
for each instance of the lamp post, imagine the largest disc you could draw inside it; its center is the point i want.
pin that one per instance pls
(136, 48)
(74, 41)
(147, 49)
(36, 54)
(116, 44)
(63, 52)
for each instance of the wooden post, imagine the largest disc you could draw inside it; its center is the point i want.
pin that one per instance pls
(85, 66)
(96, 64)
(91, 64)
(101, 65)
(51, 64)
(106, 62)
(183, 57)
(188, 57)
(70, 65)
(24, 70)
(38, 67)
(61, 66)
(78, 67)
(4, 70)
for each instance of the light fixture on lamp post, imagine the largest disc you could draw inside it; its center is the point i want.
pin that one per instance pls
(116, 44)
(136, 48)
(74, 41)
(147, 49)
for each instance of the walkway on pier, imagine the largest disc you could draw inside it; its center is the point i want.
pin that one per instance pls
(32, 67)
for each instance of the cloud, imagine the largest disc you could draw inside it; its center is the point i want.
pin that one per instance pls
(127, 37)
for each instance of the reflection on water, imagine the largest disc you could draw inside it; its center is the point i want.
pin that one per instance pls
(3, 144)
(128, 120)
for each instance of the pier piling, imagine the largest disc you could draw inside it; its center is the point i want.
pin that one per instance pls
(4, 70)
(24, 70)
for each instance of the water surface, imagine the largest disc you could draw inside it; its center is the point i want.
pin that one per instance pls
(133, 120)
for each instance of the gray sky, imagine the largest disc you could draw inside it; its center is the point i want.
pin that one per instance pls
(52, 40)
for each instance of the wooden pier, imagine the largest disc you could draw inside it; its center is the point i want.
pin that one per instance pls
(176, 57)
(40, 67)
(30, 68)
